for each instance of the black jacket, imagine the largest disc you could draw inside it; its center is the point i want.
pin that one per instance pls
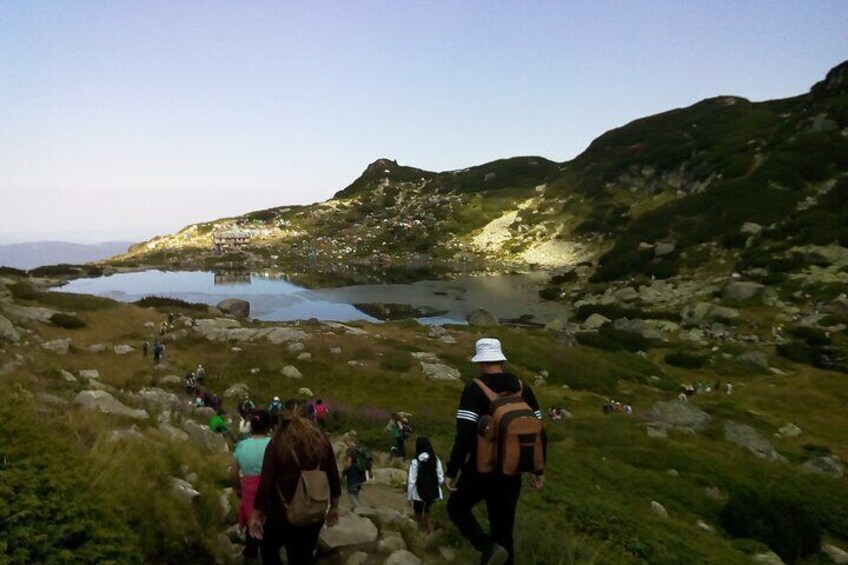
(472, 404)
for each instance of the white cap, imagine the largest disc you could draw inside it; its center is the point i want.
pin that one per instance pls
(488, 350)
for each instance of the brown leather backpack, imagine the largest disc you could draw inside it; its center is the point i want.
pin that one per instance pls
(509, 437)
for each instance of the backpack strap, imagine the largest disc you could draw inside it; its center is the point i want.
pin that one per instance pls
(492, 395)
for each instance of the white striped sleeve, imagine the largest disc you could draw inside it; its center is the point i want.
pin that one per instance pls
(539, 414)
(466, 415)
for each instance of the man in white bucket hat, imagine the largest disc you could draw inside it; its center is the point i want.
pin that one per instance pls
(500, 491)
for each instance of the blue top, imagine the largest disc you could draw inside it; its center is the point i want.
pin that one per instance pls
(249, 454)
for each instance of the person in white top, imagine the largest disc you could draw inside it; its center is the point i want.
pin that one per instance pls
(425, 478)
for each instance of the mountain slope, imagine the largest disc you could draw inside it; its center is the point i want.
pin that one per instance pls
(685, 181)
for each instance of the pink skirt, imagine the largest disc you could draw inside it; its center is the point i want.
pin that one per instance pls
(249, 486)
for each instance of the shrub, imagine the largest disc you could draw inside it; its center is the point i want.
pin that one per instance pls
(549, 293)
(811, 336)
(166, 302)
(11, 271)
(610, 339)
(788, 528)
(67, 321)
(686, 360)
(65, 270)
(23, 290)
(399, 361)
(570, 276)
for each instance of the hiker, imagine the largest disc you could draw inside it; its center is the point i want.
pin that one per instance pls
(321, 413)
(158, 352)
(357, 468)
(395, 427)
(298, 454)
(555, 414)
(423, 483)
(247, 469)
(492, 477)
(190, 384)
(729, 388)
(274, 408)
(163, 327)
(144, 345)
(246, 407)
(200, 374)
(218, 424)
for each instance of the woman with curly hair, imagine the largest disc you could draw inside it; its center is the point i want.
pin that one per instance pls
(296, 446)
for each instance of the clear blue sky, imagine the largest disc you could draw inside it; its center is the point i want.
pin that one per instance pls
(123, 119)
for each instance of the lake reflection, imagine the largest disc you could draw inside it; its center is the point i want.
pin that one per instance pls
(275, 299)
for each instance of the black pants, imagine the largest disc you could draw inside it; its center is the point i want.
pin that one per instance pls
(501, 496)
(299, 541)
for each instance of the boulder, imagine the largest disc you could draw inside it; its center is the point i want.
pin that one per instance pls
(680, 414)
(171, 380)
(391, 542)
(659, 509)
(238, 390)
(357, 558)
(235, 307)
(754, 358)
(102, 401)
(482, 317)
(204, 437)
(291, 372)
(747, 437)
(335, 350)
(8, 331)
(59, 346)
(89, 374)
(158, 398)
(389, 476)
(789, 430)
(184, 489)
(402, 557)
(278, 336)
(305, 391)
(295, 347)
(47, 398)
(387, 517)
(28, 313)
(741, 291)
(836, 554)
(305, 356)
(97, 348)
(172, 433)
(827, 465)
(123, 349)
(211, 327)
(595, 321)
(67, 376)
(352, 529)
(129, 434)
(768, 558)
(751, 228)
(440, 372)
(664, 248)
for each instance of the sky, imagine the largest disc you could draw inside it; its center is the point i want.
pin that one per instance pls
(122, 120)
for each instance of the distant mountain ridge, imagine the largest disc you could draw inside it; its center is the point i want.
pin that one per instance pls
(725, 182)
(30, 255)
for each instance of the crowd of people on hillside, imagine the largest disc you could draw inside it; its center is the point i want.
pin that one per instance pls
(286, 474)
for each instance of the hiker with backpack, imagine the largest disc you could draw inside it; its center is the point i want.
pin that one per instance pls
(357, 468)
(247, 470)
(322, 412)
(298, 492)
(499, 436)
(423, 481)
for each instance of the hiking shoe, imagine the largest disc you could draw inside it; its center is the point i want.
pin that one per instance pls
(497, 555)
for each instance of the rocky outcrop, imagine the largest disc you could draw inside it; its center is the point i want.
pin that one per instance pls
(235, 307)
(595, 321)
(747, 437)
(8, 331)
(402, 557)
(755, 359)
(204, 437)
(291, 372)
(440, 372)
(680, 414)
(156, 397)
(102, 401)
(281, 335)
(59, 346)
(828, 465)
(352, 529)
(741, 291)
(28, 313)
(123, 349)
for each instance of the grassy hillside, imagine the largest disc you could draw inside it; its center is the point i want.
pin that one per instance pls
(61, 470)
